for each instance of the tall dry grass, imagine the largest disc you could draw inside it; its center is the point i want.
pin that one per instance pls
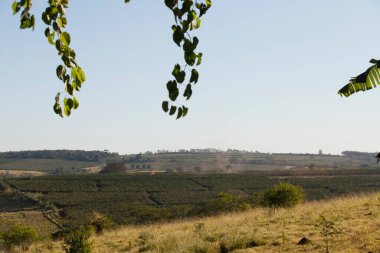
(356, 219)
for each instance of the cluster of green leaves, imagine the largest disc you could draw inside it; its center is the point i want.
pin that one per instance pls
(187, 14)
(365, 81)
(27, 20)
(70, 73)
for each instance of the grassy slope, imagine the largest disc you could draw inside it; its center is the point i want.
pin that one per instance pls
(34, 218)
(357, 218)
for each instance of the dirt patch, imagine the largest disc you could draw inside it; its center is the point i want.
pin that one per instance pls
(21, 173)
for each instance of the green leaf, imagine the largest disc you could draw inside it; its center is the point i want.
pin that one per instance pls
(178, 74)
(173, 90)
(65, 38)
(185, 110)
(171, 3)
(51, 38)
(46, 18)
(165, 106)
(60, 22)
(52, 3)
(173, 109)
(75, 103)
(47, 32)
(61, 71)
(176, 70)
(57, 107)
(199, 57)
(67, 111)
(61, 9)
(25, 24)
(198, 23)
(179, 114)
(69, 88)
(74, 73)
(195, 42)
(15, 7)
(69, 103)
(56, 27)
(54, 12)
(58, 45)
(188, 92)
(80, 75)
(189, 46)
(67, 107)
(181, 77)
(194, 76)
(177, 35)
(190, 58)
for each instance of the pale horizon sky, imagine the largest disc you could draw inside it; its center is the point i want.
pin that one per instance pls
(268, 82)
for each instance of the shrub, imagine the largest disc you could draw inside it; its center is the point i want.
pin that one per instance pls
(100, 222)
(283, 195)
(227, 202)
(114, 167)
(18, 235)
(77, 241)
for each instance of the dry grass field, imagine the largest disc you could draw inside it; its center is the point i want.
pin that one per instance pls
(33, 218)
(21, 173)
(352, 222)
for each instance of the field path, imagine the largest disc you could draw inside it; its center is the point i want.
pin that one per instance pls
(206, 187)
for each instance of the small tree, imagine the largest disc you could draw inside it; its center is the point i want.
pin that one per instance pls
(328, 230)
(18, 235)
(283, 195)
(77, 241)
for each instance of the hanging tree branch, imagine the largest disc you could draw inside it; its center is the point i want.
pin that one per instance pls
(187, 14)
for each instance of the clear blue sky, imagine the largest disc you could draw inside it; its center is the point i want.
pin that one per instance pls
(268, 81)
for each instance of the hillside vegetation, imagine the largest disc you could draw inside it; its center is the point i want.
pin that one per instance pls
(59, 162)
(353, 222)
(141, 198)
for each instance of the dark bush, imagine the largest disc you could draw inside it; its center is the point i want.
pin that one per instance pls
(283, 195)
(114, 167)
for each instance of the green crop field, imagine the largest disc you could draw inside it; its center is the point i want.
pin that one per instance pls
(44, 165)
(141, 197)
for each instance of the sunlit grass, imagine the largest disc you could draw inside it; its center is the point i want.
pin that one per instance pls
(257, 230)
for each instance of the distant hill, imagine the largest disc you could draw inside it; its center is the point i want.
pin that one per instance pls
(235, 160)
(70, 155)
(193, 160)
